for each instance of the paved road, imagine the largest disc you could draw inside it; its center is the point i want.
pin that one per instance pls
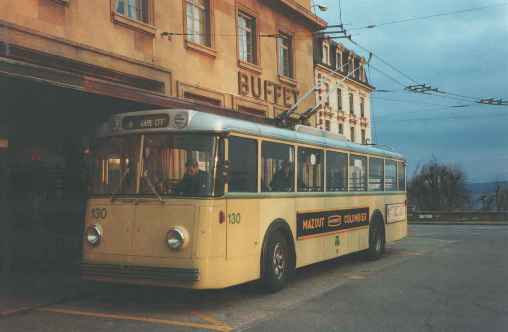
(441, 278)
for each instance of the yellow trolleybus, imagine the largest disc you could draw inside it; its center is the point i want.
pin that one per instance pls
(188, 199)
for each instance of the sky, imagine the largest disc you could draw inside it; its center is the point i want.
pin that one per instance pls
(465, 54)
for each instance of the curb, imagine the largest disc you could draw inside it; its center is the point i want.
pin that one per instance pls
(472, 223)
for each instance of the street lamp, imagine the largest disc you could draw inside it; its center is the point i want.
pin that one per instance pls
(322, 8)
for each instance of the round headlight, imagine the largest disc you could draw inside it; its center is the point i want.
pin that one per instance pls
(93, 235)
(175, 238)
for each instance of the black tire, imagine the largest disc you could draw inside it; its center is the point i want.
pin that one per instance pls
(376, 240)
(277, 263)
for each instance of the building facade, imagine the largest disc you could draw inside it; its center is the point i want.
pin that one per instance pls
(251, 56)
(344, 91)
(67, 65)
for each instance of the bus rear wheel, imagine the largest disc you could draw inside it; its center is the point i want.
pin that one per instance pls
(276, 263)
(376, 240)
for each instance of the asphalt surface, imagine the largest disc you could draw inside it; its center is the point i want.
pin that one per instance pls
(441, 278)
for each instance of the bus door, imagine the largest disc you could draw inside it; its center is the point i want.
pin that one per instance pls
(242, 215)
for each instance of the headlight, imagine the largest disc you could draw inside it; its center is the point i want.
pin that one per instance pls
(176, 238)
(94, 235)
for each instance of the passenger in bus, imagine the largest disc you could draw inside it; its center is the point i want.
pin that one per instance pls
(194, 181)
(282, 180)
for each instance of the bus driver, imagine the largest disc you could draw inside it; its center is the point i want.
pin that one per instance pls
(194, 182)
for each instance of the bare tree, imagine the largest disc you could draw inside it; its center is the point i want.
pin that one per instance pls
(501, 197)
(438, 186)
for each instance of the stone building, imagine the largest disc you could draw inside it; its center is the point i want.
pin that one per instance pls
(66, 65)
(344, 99)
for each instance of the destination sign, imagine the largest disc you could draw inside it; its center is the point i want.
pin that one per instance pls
(320, 223)
(152, 121)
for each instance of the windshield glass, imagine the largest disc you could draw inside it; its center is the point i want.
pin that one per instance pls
(114, 170)
(176, 165)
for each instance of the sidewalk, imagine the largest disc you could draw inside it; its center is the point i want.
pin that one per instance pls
(22, 292)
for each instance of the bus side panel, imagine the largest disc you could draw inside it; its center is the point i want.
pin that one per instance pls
(243, 240)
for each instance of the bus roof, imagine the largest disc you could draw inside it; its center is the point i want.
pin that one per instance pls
(183, 120)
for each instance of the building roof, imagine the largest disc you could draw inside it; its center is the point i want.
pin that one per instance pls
(346, 53)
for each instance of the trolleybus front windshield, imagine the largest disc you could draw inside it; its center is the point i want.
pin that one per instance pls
(156, 164)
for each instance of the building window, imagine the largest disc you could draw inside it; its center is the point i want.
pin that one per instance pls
(135, 9)
(353, 138)
(327, 94)
(364, 137)
(243, 158)
(327, 125)
(339, 60)
(247, 38)
(198, 22)
(285, 46)
(357, 67)
(341, 129)
(326, 54)
(351, 104)
(339, 99)
(362, 107)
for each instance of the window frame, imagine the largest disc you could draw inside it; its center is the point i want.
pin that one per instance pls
(322, 153)
(209, 47)
(125, 13)
(339, 100)
(261, 175)
(351, 103)
(257, 160)
(250, 16)
(352, 156)
(132, 23)
(290, 50)
(381, 178)
(346, 175)
(326, 53)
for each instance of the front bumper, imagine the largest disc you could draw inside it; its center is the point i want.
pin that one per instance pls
(136, 274)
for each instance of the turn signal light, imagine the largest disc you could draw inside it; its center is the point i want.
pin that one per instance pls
(222, 217)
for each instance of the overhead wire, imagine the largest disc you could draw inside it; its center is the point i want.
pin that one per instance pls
(409, 19)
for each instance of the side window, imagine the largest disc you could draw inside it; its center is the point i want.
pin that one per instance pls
(402, 175)
(243, 158)
(358, 173)
(336, 171)
(277, 167)
(376, 174)
(390, 175)
(310, 170)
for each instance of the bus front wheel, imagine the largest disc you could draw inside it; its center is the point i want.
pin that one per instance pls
(276, 263)
(376, 240)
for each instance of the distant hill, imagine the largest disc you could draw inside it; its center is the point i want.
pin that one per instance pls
(484, 187)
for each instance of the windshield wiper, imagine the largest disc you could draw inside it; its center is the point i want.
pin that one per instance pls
(150, 184)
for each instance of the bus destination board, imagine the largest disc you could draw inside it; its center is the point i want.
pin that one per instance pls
(320, 223)
(152, 121)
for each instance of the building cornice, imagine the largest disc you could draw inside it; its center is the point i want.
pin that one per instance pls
(340, 75)
(300, 11)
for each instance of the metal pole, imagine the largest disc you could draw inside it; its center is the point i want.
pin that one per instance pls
(5, 220)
